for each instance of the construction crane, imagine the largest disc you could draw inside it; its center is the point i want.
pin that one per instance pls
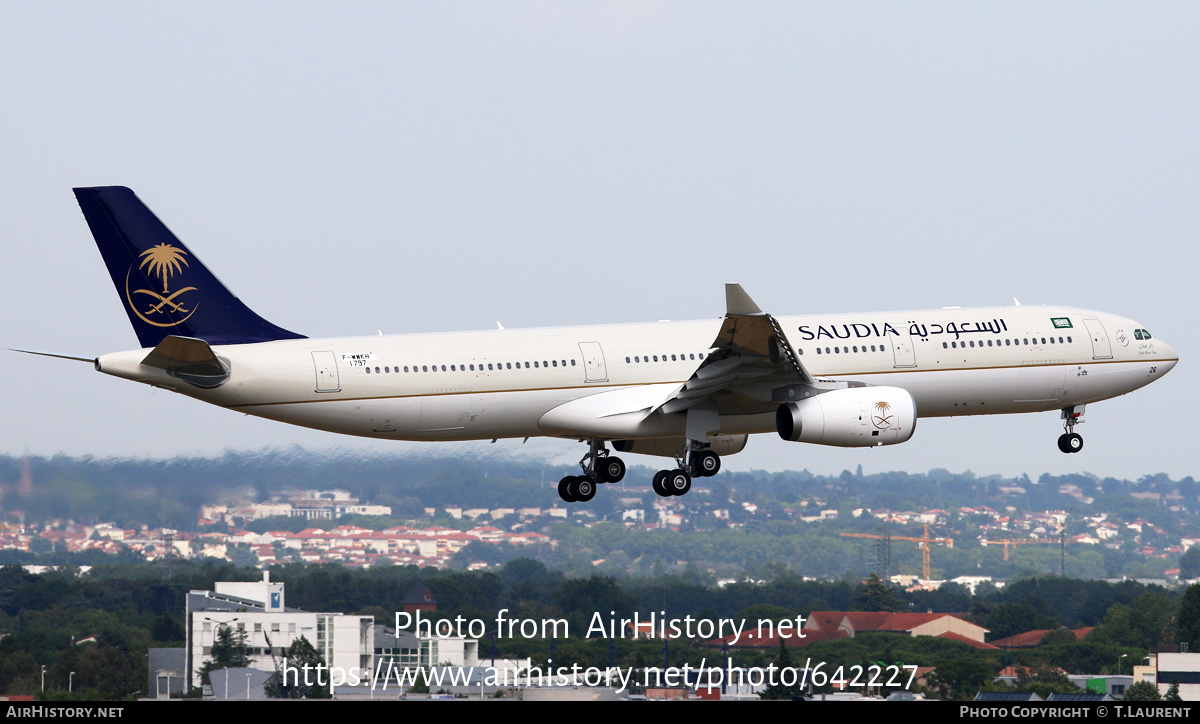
(923, 544)
(1016, 542)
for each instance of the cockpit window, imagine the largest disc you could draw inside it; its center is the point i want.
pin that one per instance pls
(1145, 334)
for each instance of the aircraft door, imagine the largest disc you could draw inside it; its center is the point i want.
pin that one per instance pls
(593, 362)
(1101, 349)
(902, 349)
(327, 372)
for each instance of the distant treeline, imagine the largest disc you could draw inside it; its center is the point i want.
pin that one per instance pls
(132, 606)
(132, 492)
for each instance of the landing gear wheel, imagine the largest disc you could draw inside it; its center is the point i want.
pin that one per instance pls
(1074, 442)
(612, 470)
(564, 489)
(678, 482)
(706, 463)
(584, 489)
(1071, 442)
(660, 484)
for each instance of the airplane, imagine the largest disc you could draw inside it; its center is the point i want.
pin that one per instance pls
(692, 391)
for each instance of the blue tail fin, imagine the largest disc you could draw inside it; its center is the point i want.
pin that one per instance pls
(164, 288)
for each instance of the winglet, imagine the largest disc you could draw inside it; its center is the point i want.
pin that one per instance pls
(737, 301)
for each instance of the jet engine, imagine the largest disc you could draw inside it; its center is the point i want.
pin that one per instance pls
(854, 417)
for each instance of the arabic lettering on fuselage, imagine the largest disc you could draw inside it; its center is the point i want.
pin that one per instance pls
(860, 330)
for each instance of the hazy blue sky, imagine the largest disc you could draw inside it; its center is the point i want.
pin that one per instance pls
(415, 167)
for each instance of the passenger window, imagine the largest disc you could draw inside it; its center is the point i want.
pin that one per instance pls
(1068, 340)
(556, 361)
(368, 369)
(800, 351)
(526, 365)
(376, 370)
(572, 363)
(1043, 340)
(406, 368)
(945, 345)
(818, 350)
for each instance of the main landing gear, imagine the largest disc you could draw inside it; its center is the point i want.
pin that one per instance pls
(598, 468)
(694, 462)
(1071, 441)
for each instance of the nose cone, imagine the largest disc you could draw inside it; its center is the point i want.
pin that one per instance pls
(1171, 357)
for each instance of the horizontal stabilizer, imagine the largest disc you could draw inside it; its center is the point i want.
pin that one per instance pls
(191, 360)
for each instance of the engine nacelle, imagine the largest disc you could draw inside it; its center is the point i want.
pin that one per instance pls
(854, 417)
(668, 446)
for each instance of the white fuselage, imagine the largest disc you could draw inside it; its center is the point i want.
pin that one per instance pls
(496, 384)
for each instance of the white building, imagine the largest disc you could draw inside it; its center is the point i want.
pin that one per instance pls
(257, 610)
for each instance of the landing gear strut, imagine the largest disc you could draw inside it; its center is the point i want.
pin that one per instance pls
(598, 467)
(1071, 441)
(695, 461)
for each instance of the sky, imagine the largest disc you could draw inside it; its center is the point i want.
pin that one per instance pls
(415, 167)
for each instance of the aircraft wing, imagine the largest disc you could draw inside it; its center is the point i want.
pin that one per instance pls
(751, 370)
(751, 358)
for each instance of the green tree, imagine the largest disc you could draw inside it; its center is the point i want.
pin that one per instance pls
(1187, 627)
(875, 595)
(1058, 636)
(779, 691)
(229, 651)
(305, 675)
(1148, 623)
(1142, 691)
(1173, 692)
(960, 678)
(1189, 564)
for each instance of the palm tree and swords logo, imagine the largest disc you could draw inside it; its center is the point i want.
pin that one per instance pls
(881, 419)
(162, 261)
